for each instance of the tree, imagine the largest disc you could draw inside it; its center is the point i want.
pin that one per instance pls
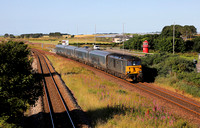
(168, 31)
(166, 45)
(18, 85)
(136, 41)
(196, 44)
(164, 41)
(185, 31)
(56, 34)
(12, 36)
(6, 35)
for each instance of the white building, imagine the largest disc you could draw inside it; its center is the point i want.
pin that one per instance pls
(65, 42)
(121, 38)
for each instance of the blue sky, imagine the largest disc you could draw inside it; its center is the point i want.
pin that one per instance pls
(138, 16)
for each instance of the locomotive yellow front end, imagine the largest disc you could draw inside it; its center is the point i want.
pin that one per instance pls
(134, 70)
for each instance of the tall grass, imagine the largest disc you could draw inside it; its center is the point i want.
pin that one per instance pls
(171, 82)
(110, 105)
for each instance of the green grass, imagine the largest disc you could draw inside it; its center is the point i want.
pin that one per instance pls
(180, 86)
(110, 105)
(189, 56)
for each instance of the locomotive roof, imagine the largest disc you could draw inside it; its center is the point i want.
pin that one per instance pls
(70, 47)
(99, 52)
(122, 56)
(83, 49)
(60, 46)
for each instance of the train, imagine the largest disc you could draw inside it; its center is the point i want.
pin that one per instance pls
(124, 66)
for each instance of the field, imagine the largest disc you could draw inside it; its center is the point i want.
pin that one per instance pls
(87, 39)
(108, 104)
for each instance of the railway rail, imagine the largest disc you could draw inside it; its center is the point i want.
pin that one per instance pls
(59, 115)
(175, 99)
(191, 107)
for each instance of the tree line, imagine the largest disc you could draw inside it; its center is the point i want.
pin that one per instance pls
(163, 41)
(9, 35)
(36, 35)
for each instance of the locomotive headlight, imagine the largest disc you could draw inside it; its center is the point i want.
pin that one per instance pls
(128, 72)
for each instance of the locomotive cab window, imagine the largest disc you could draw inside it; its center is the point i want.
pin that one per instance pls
(130, 63)
(136, 62)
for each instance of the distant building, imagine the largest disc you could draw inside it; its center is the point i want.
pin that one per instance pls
(65, 42)
(121, 38)
(116, 38)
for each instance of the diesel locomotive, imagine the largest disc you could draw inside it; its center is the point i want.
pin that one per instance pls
(124, 66)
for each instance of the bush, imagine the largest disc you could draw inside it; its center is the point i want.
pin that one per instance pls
(192, 77)
(196, 45)
(174, 65)
(180, 73)
(150, 60)
(18, 86)
(166, 63)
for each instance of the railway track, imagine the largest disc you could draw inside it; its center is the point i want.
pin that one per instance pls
(190, 106)
(54, 104)
(175, 99)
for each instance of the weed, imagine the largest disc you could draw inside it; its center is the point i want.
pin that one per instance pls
(121, 91)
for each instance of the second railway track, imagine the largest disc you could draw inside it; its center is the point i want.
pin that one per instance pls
(59, 115)
(176, 99)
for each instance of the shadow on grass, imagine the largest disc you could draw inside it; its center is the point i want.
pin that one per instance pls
(42, 120)
(102, 115)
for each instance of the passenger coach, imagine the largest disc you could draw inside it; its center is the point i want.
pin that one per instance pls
(124, 66)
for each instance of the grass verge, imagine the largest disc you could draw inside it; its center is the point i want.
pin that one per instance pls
(109, 104)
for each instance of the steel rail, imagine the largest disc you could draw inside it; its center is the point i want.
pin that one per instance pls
(168, 100)
(60, 95)
(46, 92)
(153, 93)
(150, 92)
(182, 99)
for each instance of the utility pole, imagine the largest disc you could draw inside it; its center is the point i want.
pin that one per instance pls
(77, 36)
(123, 39)
(95, 34)
(173, 36)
